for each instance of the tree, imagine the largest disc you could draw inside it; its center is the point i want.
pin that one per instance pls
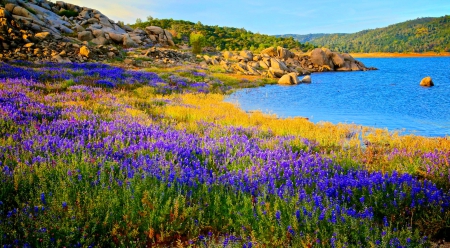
(138, 21)
(197, 41)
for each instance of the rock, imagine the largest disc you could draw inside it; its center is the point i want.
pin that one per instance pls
(85, 36)
(427, 82)
(319, 57)
(276, 72)
(84, 51)
(28, 45)
(306, 79)
(59, 59)
(354, 66)
(240, 67)
(289, 79)
(129, 62)
(284, 53)
(154, 30)
(347, 57)
(246, 55)
(169, 38)
(100, 40)
(118, 38)
(43, 36)
(79, 28)
(337, 59)
(264, 64)
(271, 51)
(227, 55)
(98, 33)
(128, 42)
(277, 64)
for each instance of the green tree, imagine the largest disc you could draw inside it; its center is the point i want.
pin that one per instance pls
(197, 41)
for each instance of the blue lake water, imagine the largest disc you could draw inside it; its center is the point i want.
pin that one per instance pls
(388, 98)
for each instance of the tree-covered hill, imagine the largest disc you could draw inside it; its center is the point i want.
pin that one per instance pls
(419, 35)
(303, 38)
(222, 38)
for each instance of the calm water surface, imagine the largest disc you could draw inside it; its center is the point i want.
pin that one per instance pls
(388, 98)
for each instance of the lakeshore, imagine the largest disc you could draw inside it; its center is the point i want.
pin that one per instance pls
(399, 55)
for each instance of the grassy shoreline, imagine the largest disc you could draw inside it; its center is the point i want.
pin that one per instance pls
(99, 156)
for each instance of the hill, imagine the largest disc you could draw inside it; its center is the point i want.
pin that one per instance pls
(223, 38)
(420, 35)
(303, 38)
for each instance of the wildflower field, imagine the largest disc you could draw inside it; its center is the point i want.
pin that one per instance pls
(97, 156)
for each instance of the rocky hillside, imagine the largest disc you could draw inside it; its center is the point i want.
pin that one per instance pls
(41, 30)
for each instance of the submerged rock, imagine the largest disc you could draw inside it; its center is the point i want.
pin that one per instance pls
(306, 79)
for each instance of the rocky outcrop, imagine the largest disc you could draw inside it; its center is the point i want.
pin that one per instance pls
(426, 82)
(42, 23)
(277, 62)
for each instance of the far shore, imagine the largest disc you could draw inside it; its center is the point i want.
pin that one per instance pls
(399, 55)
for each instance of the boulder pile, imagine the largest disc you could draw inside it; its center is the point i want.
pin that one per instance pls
(280, 62)
(41, 30)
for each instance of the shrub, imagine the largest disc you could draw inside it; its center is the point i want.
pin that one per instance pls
(68, 13)
(197, 41)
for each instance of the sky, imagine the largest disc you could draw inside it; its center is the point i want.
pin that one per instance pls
(276, 17)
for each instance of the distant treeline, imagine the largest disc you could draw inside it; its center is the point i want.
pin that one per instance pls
(222, 38)
(420, 35)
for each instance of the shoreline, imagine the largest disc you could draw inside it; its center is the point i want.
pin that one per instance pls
(399, 55)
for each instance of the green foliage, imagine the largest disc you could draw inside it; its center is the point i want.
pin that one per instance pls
(197, 41)
(420, 35)
(224, 38)
(68, 13)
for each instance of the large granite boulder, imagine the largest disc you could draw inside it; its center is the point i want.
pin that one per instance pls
(246, 55)
(319, 57)
(289, 79)
(271, 51)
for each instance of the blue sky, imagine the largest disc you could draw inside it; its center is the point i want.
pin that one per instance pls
(276, 17)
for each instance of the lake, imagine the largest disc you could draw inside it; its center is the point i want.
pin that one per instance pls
(390, 97)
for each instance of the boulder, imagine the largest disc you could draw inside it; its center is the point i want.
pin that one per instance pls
(85, 36)
(271, 51)
(246, 55)
(320, 58)
(347, 57)
(79, 28)
(427, 82)
(239, 67)
(98, 33)
(306, 79)
(100, 40)
(154, 30)
(289, 79)
(116, 37)
(276, 72)
(284, 53)
(128, 42)
(227, 55)
(43, 35)
(169, 38)
(337, 59)
(264, 64)
(277, 64)
(354, 66)
(346, 66)
(84, 51)
(59, 59)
